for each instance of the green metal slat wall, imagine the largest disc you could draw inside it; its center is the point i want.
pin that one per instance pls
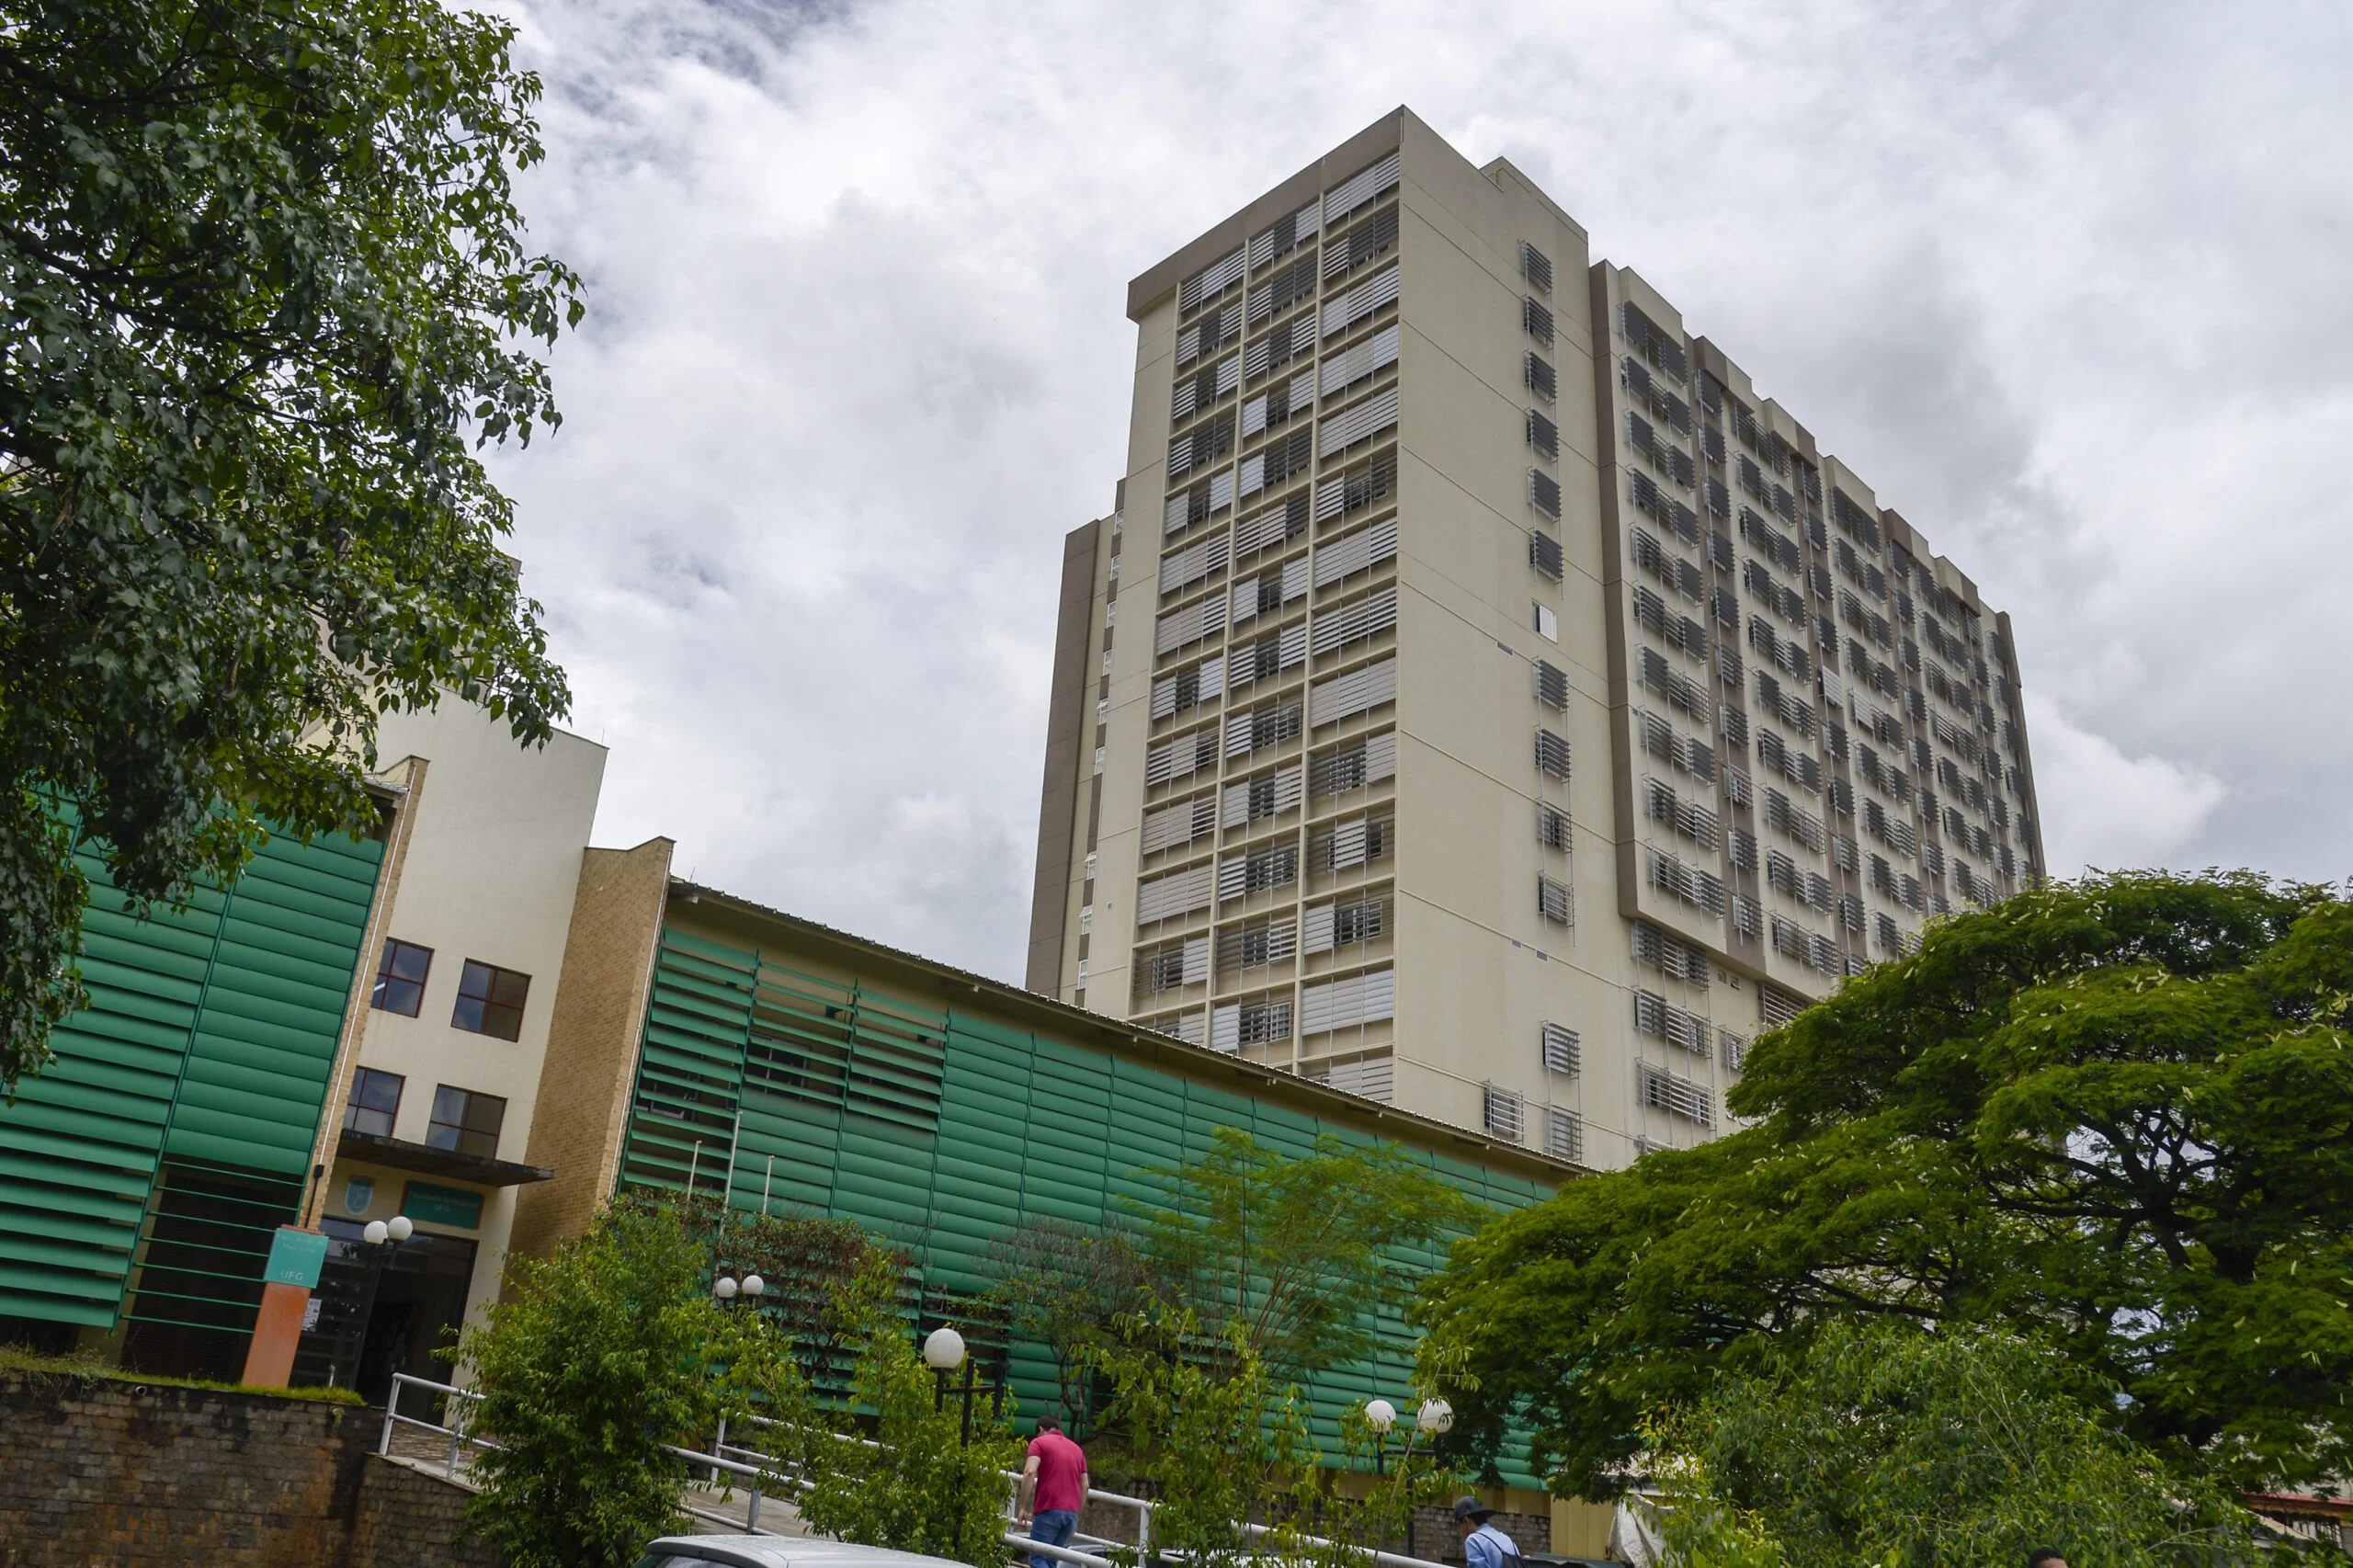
(944, 1130)
(208, 1038)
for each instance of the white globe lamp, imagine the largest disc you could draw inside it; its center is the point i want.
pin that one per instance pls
(754, 1287)
(1379, 1414)
(723, 1288)
(374, 1233)
(1436, 1416)
(399, 1227)
(943, 1349)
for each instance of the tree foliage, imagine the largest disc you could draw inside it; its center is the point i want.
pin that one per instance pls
(595, 1359)
(2115, 1115)
(1296, 1250)
(921, 1486)
(1881, 1444)
(263, 289)
(1066, 1286)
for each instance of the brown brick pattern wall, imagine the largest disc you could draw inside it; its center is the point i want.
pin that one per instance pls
(582, 1105)
(116, 1474)
(410, 1519)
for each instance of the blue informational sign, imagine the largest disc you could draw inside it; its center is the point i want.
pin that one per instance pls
(294, 1258)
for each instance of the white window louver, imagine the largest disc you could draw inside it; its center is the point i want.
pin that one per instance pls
(1347, 1003)
(1563, 1135)
(1211, 281)
(1355, 621)
(1504, 1114)
(1283, 236)
(1561, 1052)
(1190, 624)
(1351, 843)
(1248, 800)
(1375, 353)
(1554, 901)
(1661, 1091)
(1180, 893)
(1373, 1077)
(1180, 759)
(1356, 552)
(1361, 423)
(1355, 692)
(1317, 935)
(1360, 188)
(1188, 394)
(1191, 1028)
(1174, 826)
(1372, 294)
(1188, 567)
(1211, 331)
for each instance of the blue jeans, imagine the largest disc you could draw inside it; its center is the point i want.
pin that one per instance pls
(1051, 1527)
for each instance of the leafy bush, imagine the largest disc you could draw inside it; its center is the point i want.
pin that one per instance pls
(594, 1361)
(919, 1487)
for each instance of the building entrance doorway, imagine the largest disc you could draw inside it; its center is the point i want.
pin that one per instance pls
(386, 1309)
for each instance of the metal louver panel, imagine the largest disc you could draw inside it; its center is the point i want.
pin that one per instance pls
(1226, 1027)
(1561, 1053)
(1504, 1114)
(1356, 551)
(1365, 298)
(1286, 235)
(1211, 281)
(1354, 692)
(1318, 922)
(1180, 892)
(1186, 567)
(1361, 423)
(1344, 1004)
(1372, 1076)
(1563, 1135)
(1659, 1091)
(1376, 352)
(1553, 900)
(1353, 622)
(1172, 827)
(1190, 624)
(1361, 189)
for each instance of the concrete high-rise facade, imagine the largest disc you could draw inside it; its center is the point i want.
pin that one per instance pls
(1483, 699)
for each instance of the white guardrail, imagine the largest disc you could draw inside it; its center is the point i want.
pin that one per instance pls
(757, 1469)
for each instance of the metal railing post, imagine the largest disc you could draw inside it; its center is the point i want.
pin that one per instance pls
(391, 1408)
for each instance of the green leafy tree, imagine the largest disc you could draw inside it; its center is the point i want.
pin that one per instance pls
(263, 290)
(595, 1358)
(919, 1486)
(1066, 1286)
(1217, 1445)
(2116, 1115)
(1299, 1250)
(1881, 1444)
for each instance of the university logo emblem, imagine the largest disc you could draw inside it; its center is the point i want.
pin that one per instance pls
(357, 1194)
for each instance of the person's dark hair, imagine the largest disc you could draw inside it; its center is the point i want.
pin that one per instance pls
(2042, 1554)
(1049, 1424)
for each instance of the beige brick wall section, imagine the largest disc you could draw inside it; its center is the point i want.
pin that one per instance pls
(583, 1106)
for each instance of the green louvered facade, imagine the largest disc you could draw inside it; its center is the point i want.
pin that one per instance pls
(183, 1103)
(944, 1129)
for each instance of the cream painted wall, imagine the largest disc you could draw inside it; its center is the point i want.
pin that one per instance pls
(492, 865)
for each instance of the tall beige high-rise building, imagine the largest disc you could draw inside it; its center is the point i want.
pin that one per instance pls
(1481, 699)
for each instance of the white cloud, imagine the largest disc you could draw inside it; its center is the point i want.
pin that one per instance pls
(2064, 283)
(2102, 809)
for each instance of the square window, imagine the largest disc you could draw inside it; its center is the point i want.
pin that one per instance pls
(489, 1000)
(400, 977)
(375, 1100)
(1547, 624)
(465, 1121)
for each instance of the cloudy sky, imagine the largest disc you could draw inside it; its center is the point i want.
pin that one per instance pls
(2068, 284)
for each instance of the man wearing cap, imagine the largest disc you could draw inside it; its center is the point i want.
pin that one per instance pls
(1483, 1546)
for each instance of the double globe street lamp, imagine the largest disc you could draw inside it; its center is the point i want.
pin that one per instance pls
(1434, 1417)
(750, 1289)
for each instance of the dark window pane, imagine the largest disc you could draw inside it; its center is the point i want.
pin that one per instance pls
(375, 1100)
(400, 977)
(489, 1000)
(465, 1121)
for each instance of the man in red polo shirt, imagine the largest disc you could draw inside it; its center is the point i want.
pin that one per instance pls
(1054, 1489)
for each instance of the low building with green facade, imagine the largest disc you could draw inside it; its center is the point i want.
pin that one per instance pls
(144, 1171)
(736, 1050)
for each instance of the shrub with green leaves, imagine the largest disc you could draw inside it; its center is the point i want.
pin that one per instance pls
(597, 1358)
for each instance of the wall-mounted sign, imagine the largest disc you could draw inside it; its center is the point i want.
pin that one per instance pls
(294, 1258)
(357, 1194)
(431, 1204)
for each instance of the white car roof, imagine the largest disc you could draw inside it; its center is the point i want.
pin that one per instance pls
(790, 1552)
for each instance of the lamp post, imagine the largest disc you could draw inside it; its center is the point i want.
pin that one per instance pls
(396, 1229)
(1381, 1415)
(749, 1289)
(943, 1352)
(1437, 1418)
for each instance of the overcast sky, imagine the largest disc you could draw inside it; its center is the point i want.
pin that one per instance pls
(2068, 285)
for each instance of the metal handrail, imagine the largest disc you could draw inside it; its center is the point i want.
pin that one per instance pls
(459, 1440)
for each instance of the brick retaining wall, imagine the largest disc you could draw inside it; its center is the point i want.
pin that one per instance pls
(116, 1474)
